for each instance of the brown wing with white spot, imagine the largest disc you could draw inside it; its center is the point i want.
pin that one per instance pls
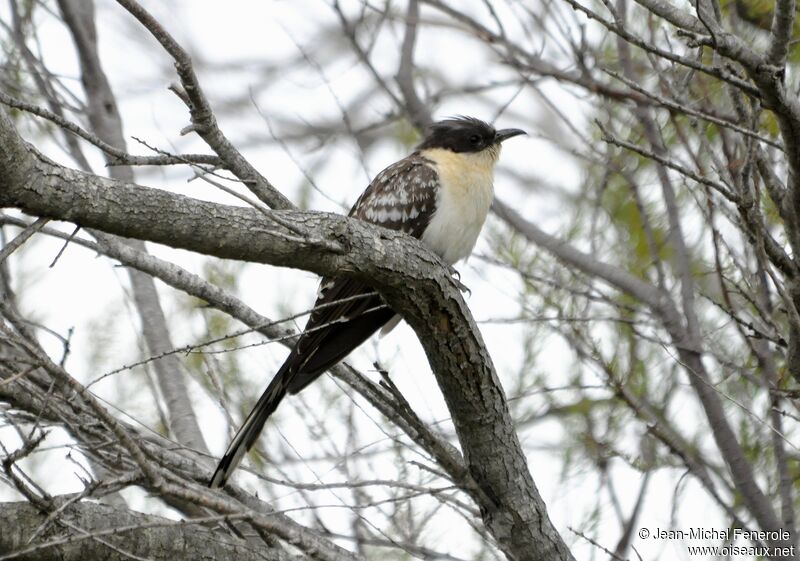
(347, 312)
(401, 197)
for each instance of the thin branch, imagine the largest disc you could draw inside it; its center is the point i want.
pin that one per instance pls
(202, 116)
(120, 157)
(21, 238)
(615, 276)
(683, 107)
(666, 162)
(417, 111)
(720, 73)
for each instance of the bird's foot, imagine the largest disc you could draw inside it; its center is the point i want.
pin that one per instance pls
(457, 279)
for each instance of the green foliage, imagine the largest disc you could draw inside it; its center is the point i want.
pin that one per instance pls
(625, 215)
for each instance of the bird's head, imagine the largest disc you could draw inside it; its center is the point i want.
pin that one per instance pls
(466, 135)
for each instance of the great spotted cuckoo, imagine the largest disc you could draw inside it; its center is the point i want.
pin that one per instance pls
(439, 194)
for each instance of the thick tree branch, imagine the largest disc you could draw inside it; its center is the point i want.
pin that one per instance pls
(409, 276)
(97, 531)
(448, 458)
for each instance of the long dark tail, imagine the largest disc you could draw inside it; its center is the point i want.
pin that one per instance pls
(251, 428)
(300, 369)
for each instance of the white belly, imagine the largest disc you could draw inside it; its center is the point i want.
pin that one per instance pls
(462, 203)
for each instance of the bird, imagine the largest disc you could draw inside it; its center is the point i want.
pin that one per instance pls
(440, 194)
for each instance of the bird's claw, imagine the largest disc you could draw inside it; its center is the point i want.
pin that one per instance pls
(457, 279)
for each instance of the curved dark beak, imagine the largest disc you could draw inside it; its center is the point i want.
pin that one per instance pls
(505, 134)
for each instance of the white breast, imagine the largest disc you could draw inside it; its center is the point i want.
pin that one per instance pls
(462, 202)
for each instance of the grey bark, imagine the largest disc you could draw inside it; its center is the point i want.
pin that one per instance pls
(86, 531)
(409, 276)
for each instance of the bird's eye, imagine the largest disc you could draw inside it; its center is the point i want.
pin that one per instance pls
(475, 139)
